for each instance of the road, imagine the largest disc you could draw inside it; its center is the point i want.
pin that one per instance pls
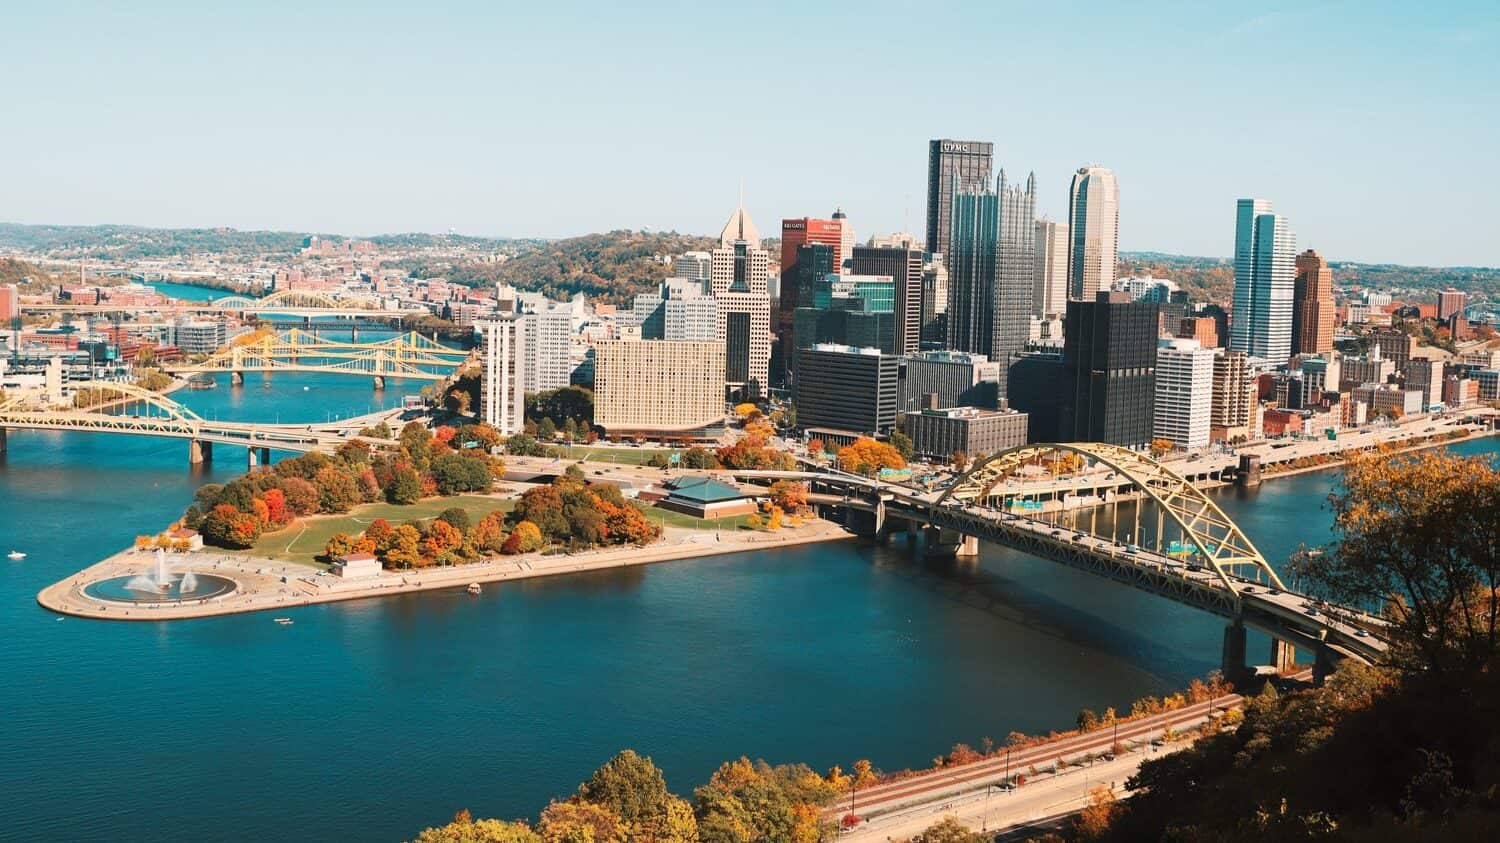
(972, 793)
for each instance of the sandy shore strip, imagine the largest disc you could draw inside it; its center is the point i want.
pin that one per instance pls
(267, 585)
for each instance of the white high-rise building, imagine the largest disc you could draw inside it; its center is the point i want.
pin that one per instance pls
(1093, 231)
(549, 339)
(740, 284)
(846, 241)
(1265, 253)
(502, 384)
(1184, 393)
(1049, 295)
(679, 310)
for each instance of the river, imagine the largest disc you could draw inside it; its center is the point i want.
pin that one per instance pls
(368, 720)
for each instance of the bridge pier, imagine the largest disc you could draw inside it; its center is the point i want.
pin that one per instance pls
(258, 456)
(1324, 664)
(1233, 663)
(967, 546)
(4, 445)
(1283, 656)
(1249, 471)
(200, 452)
(379, 382)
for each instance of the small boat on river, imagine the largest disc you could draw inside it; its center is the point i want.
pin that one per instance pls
(15, 556)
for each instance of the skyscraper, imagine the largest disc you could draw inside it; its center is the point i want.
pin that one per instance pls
(974, 244)
(993, 262)
(1049, 293)
(1015, 267)
(1094, 229)
(1261, 325)
(952, 166)
(797, 277)
(1109, 371)
(740, 283)
(903, 263)
(1312, 305)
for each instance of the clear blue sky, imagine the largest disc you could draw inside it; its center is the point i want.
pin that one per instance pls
(1373, 126)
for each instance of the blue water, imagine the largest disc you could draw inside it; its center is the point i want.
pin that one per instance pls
(189, 292)
(368, 720)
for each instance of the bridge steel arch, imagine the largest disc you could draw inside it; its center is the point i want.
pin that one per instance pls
(300, 299)
(1216, 538)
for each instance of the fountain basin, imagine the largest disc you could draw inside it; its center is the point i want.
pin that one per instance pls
(129, 590)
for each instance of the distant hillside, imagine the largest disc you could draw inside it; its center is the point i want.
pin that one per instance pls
(1212, 279)
(13, 271)
(129, 242)
(612, 266)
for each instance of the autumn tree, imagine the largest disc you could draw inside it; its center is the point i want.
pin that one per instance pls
(440, 540)
(576, 821)
(950, 830)
(466, 830)
(1417, 534)
(542, 507)
(226, 526)
(489, 533)
(339, 546)
(1093, 822)
(403, 550)
(525, 538)
(867, 457)
(1161, 447)
(790, 495)
(405, 487)
(902, 443)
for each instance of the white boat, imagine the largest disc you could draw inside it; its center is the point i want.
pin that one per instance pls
(15, 555)
(474, 588)
(284, 621)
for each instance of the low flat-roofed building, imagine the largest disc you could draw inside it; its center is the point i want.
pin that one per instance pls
(939, 433)
(357, 566)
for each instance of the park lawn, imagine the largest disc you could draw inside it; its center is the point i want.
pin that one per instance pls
(618, 456)
(671, 518)
(305, 539)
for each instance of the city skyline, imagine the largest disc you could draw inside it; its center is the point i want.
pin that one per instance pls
(473, 122)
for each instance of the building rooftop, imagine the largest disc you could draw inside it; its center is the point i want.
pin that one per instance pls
(703, 490)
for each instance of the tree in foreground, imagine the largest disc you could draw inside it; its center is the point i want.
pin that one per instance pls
(464, 829)
(1419, 536)
(950, 830)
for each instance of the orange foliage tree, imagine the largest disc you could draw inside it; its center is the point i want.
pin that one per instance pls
(867, 457)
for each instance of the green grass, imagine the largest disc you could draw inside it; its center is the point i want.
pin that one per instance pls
(619, 456)
(305, 539)
(671, 518)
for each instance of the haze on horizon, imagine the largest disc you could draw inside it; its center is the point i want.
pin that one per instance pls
(1369, 128)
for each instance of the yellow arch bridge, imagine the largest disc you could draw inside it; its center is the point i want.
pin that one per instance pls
(408, 356)
(1117, 514)
(128, 409)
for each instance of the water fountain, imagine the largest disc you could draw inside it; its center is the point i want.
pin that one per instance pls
(159, 586)
(158, 579)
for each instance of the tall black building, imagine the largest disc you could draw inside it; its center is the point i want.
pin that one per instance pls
(847, 389)
(965, 165)
(1109, 371)
(1035, 383)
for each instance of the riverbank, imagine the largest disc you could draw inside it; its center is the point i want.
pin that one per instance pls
(265, 584)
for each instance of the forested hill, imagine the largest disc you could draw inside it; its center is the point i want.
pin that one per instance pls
(126, 242)
(612, 267)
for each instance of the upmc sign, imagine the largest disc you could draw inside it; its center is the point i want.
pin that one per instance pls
(952, 146)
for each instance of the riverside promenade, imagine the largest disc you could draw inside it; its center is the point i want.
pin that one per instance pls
(269, 585)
